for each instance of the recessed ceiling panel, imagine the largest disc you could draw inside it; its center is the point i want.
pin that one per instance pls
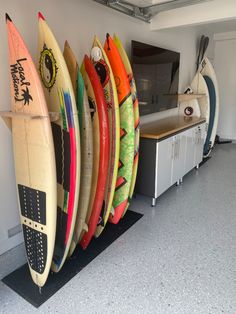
(141, 3)
(146, 9)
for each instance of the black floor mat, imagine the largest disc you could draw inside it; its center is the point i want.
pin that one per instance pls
(21, 282)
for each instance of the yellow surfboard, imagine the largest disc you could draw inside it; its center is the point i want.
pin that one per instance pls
(103, 68)
(60, 99)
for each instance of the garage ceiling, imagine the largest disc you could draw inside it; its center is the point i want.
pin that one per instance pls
(145, 10)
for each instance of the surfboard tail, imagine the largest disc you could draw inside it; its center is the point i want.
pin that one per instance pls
(119, 210)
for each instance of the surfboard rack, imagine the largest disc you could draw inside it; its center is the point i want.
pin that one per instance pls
(54, 116)
(7, 116)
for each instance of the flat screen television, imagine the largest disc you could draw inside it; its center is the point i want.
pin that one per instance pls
(156, 72)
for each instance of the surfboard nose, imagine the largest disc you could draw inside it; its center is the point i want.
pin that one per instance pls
(40, 16)
(8, 18)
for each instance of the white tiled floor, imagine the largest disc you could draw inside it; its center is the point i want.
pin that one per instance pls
(179, 258)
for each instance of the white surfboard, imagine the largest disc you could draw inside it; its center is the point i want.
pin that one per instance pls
(199, 86)
(207, 69)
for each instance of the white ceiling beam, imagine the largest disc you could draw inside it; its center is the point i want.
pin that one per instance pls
(203, 13)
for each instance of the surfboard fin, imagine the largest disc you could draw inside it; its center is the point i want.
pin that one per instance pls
(112, 211)
(85, 227)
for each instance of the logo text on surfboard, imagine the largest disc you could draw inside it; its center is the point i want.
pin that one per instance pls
(47, 67)
(20, 84)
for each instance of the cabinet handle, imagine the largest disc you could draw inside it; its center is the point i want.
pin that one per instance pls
(175, 154)
(173, 150)
(196, 137)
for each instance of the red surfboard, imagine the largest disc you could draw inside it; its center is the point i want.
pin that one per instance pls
(100, 105)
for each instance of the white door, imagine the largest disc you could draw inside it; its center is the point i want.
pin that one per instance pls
(165, 151)
(190, 150)
(178, 166)
(199, 140)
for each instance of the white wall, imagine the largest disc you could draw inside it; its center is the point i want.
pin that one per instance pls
(225, 65)
(77, 21)
(197, 14)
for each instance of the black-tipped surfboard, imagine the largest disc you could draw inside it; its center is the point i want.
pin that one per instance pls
(34, 158)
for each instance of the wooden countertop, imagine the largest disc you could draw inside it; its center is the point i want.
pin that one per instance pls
(169, 126)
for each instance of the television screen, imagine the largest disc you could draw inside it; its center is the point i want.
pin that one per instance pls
(156, 72)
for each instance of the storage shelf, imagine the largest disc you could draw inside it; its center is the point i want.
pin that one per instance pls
(185, 97)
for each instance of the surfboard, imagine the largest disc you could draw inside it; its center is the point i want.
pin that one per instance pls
(96, 140)
(204, 42)
(133, 88)
(212, 95)
(101, 147)
(199, 107)
(200, 51)
(34, 157)
(85, 124)
(60, 99)
(199, 86)
(126, 157)
(207, 69)
(104, 71)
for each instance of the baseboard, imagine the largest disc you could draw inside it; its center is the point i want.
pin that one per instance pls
(12, 260)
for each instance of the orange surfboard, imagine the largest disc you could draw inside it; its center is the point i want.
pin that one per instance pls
(130, 74)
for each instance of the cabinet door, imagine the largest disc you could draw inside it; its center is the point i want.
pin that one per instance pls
(165, 151)
(199, 143)
(178, 165)
(190, 150)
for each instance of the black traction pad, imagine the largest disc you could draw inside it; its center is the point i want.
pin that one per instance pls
(33, 207)
(36, 248)
(61, 139)
(80, 259)
(60, 247)
(32, 204)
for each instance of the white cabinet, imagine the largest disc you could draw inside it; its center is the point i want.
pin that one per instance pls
(194, 146)
(164, 162)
